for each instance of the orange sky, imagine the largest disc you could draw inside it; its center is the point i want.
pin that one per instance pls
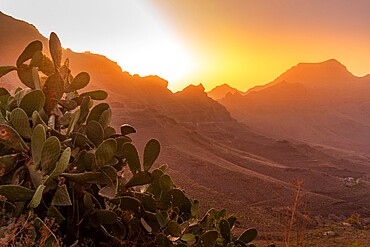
(244, 43)
(239, 42)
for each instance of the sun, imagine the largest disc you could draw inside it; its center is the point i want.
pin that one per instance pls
(164, 56)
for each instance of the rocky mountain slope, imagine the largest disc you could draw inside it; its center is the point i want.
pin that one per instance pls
(320, 103)
(222, 162)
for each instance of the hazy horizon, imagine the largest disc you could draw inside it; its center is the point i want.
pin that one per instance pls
(240, 43)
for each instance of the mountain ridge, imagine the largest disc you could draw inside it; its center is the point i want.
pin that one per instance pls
(212, 155)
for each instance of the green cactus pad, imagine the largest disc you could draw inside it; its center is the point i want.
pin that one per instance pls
(50, 154)
(11, 138)
(53, 90)
(165, 182)
(105, 152)
(146, 226)
(6, 69)
(162, 218)
(232, 219)
(127, 129)
(149, 202)
(96, 112)
(248, 235)
(16, 193)
(188, 237)
(109, 175)
(26, 76)
(29, 51)
(47, 66)
(61, 197)
(239, 243)
(4, 96)
(37, 119)
(95, 132)
(151, 152)
(208, 239)
(120, 141)
(225, 229)
(95, 95)
(69, 105)
(88, 202)
(140, 178)
(105, 118)
(85, 109)
(7, 163)
(173, 228)
(132, 157)
(2, 119)
(55, 50)
(89, 160)
(35, 175)
(37, 59)
(128, 203)
(109, 132)
(194, 208)
(36, 78)
(80, 140)
(62, 163)
(65, 119)
(84, 177)
(37, 197)
(162, 240)
(119, 230)
(106, 216)
(206, 222)
(19, 120)
(73, 121)
(175, 198)
(155, 187)
(32, 101)
(80, 81)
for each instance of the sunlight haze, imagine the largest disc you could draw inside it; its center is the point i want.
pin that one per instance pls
(242, 43)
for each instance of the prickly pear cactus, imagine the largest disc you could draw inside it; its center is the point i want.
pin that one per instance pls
(60, 159)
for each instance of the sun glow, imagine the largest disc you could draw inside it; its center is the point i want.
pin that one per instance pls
(166, 58)
(131, 33)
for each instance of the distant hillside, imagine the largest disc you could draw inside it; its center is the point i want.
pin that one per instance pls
(322, 103)
(218, 160)
(221, 91)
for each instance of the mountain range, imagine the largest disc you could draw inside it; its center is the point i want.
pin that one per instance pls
(320, 103)
(242, 150)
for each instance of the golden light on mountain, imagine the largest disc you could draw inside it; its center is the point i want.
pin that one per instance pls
(242, 43)
(291, 151)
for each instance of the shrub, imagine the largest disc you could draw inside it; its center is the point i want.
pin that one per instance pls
(68, 176)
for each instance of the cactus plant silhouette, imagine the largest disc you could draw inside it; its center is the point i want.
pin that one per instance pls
(61, 159)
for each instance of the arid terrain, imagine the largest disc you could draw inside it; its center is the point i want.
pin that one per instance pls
(243, 150)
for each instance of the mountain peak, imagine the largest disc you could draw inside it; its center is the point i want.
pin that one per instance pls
(194, 89)
(328, 73)
(330, 63)
(221, 91)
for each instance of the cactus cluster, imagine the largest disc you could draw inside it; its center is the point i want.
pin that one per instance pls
(61, 159)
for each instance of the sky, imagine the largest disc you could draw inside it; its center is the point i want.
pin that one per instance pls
(240, 42)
